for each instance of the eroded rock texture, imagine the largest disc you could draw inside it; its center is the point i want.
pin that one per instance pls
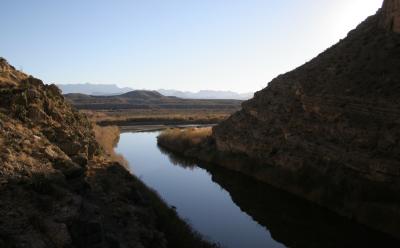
(58, 188)
(329, 131)
(391, 15)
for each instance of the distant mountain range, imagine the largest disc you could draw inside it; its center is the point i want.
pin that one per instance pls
(145, 99)
(207, 94)
(113, 89)
(93, 89)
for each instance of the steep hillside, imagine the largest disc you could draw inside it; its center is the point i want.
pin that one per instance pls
(58, 188)
(143, 99)
(329, 131)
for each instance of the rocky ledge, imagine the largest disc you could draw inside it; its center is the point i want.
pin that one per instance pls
(57, 186)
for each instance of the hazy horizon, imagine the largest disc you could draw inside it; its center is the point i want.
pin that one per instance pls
(130, 88)
(189, 46)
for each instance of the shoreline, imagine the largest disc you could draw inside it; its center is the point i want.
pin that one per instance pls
(178, 232)
(158, 127)
(311, 190)
(156, 122)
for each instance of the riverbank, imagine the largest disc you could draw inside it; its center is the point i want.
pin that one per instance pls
(136, 117)
(159, 127)
(108, 137)
(291, 220)
(175, 231)
(341, 192)
(195, 142)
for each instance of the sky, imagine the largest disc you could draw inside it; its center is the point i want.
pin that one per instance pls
(172, 44)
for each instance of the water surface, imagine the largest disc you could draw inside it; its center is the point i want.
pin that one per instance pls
(234, 210)
(202, 202)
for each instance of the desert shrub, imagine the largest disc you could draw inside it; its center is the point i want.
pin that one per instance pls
(183, 139)
(20, 112)
(190, 136)
(107, 137)
(157, 116)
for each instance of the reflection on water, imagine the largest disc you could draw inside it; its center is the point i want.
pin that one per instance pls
(235, 210)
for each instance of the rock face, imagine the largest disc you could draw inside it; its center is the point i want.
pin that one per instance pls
(391, 15)
(57, 187)
(329, 131)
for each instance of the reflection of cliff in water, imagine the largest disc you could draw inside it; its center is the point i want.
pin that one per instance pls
(187, 163)
(290, 220)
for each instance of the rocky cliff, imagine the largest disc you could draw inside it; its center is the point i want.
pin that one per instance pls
(58, 188)
(390, 18)
(329, 130)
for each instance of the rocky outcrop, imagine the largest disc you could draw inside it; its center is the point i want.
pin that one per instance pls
(329, 131)
(391, 15)
(57, 186)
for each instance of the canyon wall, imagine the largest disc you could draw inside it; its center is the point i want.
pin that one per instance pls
(329, 131)
(58, 188)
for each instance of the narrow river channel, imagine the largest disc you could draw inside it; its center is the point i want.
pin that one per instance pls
(233, 210)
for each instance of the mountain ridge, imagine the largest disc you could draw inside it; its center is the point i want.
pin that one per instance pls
(113, 89)
(206, 94)
(93, 89)
(147, 99)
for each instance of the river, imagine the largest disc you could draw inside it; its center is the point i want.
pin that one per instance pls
(234, 210)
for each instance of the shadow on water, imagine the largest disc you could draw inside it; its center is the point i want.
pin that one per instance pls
(290, 220)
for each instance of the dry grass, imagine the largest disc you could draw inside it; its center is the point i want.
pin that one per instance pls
(120, 117)
(182, 139)
(192, 135)
(108, 138)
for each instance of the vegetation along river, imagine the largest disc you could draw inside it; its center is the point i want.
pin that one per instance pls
(234, 210)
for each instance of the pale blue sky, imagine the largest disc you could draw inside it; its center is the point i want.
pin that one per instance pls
(187, 45)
